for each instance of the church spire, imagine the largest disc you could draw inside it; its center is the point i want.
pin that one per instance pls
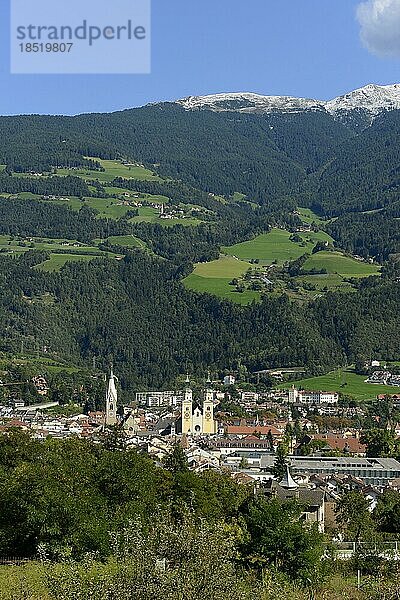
(288, 482)
(111, 399)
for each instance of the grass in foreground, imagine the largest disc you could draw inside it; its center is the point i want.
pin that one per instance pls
(30, 582)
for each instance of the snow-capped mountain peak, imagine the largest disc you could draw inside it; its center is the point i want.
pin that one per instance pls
(370, 100)
(246, 102)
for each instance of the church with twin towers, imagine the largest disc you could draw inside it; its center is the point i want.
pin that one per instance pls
(196, 418)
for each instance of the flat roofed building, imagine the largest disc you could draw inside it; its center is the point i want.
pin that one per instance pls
(311, 397)
(157, 399)
(375, 471)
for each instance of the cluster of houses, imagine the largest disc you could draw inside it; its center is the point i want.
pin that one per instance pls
(53, 197)
(384, 377)
(321, 465)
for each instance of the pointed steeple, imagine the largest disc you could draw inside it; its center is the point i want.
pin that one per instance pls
(288, 482)
(111, 399)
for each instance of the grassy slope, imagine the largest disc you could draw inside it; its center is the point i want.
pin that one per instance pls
(339, 268)
(130, 241)
(214, 278)
(113, 169)
(57, 261)
(275, 245)
(22, 245)
(335, 262)
(346, 382)
(111, 207)
(309, 216)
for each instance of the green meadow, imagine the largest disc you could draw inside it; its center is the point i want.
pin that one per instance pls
(112, 169)
(107, 208)
(225, 266)
(129, 241)
(71, 250)
(331, 282)
(20, 196)
(339, 269)
(57, 261)
(238, 196)
(336, 262)
(275, 246)
(115, 208)
(153, 198)
(345, 381)
(309, 216)
(214, 278)
(147, 214)
(16, 244)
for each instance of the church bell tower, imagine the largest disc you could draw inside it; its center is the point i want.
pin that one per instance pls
(187, 412)
(111, 400)
(208, 412)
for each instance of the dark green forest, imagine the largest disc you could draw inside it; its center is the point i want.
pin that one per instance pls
(136, 312)
(310, 159)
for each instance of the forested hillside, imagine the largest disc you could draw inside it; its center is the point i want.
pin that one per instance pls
(263, 156)
(240, 175)
(138, 314)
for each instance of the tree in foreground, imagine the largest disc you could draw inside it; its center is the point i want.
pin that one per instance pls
(279, 468)
(189, 560)
(278, 537)
(354, 517)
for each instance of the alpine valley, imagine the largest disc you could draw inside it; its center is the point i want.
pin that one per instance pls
(233, 231)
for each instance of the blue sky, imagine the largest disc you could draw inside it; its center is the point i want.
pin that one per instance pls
(308, 48)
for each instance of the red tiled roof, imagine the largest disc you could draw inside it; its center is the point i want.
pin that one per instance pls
(247, 430)
(339, 443)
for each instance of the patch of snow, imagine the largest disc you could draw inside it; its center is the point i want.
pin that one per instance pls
(246, 102)
(371, 99)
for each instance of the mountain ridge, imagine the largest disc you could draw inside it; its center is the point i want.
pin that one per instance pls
(371, 99)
